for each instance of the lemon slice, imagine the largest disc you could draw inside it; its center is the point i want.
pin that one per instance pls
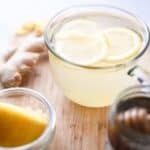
(122, 43)
(18, 126)
(81, 48)
(81, 25)
(77, 42)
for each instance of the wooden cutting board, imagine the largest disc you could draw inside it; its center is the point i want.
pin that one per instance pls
(77, 127)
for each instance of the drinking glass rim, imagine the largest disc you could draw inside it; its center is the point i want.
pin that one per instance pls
(143, 24)
(51, 125)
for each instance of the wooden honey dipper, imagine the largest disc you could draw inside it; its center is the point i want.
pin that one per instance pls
(136, 118)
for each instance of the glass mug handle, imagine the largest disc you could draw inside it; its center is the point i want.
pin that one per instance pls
(140, 74)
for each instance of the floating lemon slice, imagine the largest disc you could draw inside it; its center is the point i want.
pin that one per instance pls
(122, 43)
(77, 42)
(81, 25)
(81, 48)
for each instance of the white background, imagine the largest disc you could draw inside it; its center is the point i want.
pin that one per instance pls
(14, 12)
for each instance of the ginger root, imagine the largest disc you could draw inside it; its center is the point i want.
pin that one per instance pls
(16, 62)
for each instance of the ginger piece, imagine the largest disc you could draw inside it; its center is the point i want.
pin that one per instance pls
(26, 29)
(38, 30)
(29, 26)
(36, 27)
(17, 62)
(22, 31)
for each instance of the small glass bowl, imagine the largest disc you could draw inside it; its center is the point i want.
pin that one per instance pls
(33, 101)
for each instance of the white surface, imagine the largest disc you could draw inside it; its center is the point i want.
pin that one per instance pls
(13, 12)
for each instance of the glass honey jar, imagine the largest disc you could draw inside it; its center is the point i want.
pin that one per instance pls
(129, 120)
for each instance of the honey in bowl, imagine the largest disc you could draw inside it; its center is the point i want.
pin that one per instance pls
(19, 126)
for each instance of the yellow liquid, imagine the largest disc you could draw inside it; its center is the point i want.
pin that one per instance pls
(90, 87)
(19, 127)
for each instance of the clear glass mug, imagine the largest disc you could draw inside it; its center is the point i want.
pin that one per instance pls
(31, 101)
(94, 86)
